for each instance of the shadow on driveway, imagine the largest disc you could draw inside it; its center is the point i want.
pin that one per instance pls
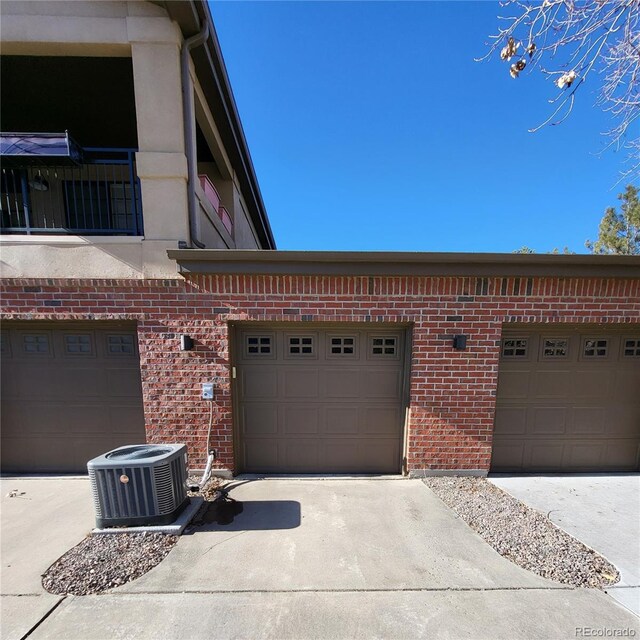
(250, 515)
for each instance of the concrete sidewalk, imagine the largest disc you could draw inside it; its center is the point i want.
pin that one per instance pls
(324, 559)
(47, 517)
(603, 511)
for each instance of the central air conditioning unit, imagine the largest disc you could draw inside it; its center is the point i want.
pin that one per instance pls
(143, 484)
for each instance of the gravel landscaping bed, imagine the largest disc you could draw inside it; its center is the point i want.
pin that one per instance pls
(104, 561)
(523, 535)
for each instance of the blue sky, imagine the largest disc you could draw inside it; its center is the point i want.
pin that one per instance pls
(372, 128)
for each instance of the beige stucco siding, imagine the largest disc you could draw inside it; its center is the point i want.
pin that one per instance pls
(144, 32)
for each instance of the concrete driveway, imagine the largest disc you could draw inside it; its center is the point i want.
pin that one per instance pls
(47, 517)
(603, 511)
(330, 559)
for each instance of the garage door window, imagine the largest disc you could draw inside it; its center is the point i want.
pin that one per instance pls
(35, 343)
(258, 346)
(78, 345)
(301, 346)
(515, 348)
(384, 346)
(555, 348)
(631, 348)
(595, 348)
(120, 345)
(342, 346)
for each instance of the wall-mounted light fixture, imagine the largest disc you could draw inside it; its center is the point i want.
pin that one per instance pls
(186, 343)
(39, 183)
(460, 342)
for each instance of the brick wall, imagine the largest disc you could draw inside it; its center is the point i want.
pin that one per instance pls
(452, 393)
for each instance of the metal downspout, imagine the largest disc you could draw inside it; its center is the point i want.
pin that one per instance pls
(187, 108)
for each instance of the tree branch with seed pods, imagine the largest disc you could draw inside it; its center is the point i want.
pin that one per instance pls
(571, 42)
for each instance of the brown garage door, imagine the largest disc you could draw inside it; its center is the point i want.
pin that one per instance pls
(568, 400)
(69, 392)
(320, 401)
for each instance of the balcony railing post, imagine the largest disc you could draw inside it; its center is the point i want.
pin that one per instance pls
(134, 195)
(26, 202)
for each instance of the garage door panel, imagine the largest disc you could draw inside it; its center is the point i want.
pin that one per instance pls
(379, 421)
(300, 384)
(510, 420)
(548, 420)
(341, 420)
(85, 383)
(515, 386)
(585, 455)
(342, 383)
(261, 454)
(40, 419)
(372, 456)
(581, 410)
(625, 452)
(124, 383)
(259, 383)
(19, 456)
(122, 416)
(552, 384)
(68, 401)
(38, 381)
(627, 421)
(87, 419)
(627, 385)
(260, 419)
(301, 419)
(589, 421)
(593, 384)
(8, 379)
(300, 454)
(544, 454)
(508, 455)
(381, 384)
(339, 411)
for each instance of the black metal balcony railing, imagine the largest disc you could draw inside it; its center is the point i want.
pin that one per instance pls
(101, 196)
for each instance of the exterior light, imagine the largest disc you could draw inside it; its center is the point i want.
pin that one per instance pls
(460, 342)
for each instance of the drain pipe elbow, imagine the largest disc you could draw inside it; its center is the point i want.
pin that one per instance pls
(187, 107)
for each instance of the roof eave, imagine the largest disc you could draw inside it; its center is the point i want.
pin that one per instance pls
(361, 263)
(212, 74)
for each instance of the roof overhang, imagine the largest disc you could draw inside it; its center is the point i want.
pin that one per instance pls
(382, 263)
(190, 15)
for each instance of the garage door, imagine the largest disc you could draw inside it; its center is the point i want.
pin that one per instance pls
(69, 393)
(320, 401)
(568, 400)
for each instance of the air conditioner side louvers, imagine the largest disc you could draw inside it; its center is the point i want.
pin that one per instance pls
(139, 484)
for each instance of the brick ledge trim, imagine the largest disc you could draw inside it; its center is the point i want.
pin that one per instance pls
(445, 473)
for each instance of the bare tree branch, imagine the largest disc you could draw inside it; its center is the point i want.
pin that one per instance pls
(570, 40)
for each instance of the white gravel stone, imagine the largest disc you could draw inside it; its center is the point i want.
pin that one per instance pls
(523, 535)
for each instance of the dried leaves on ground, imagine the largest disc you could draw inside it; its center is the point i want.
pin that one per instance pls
(210, 491)
(104, 561)
(523, 535)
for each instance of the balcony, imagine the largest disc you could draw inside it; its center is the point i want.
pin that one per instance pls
(51, 186)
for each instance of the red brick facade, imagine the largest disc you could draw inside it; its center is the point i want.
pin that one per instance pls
(452, 392)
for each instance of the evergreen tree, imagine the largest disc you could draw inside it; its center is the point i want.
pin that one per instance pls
(619, 232)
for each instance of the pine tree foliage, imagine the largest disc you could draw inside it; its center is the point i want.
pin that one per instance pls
(619, 231)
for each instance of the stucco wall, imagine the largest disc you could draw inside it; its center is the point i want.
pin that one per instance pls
(452, 392)
(144, 32)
